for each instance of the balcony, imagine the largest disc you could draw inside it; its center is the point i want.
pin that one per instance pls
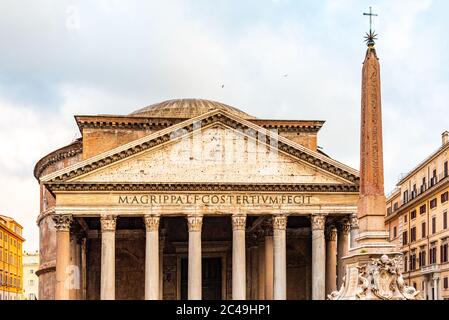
(430, 269)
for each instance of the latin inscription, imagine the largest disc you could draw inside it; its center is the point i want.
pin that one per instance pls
(213, 199)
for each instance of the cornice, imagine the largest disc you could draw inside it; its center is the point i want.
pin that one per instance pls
(181, 129)
(68, 151)
(143, 123)
(46, 267)
(425, 162)
(223, 187)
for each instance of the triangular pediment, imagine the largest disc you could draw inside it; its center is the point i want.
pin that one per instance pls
(216, 147)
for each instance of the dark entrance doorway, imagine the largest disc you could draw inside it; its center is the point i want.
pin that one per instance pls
(211, 278)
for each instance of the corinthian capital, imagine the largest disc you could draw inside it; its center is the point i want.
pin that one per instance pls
(354, 221)
(280, 222)
(238, 222)
(108, 222)
(344, 226)
(195, 222)
(331, 233)
(62, 221)
(151, 222)
(318, 221)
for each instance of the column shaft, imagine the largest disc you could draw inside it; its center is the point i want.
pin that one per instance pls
(318, 258)
(238, 257)
(342, 248)
(269, 264)
(331, 260)
(354, 230)
(62, 225)
(280, 258)
(194, 260)
(254, 271)
(107, 282)
(261, 270)
(152, 257)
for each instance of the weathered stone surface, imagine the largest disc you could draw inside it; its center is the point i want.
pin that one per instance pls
(215, 154)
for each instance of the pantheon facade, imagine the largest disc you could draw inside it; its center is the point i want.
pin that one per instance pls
(193, 199)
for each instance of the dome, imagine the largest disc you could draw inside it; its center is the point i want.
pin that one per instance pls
(186, 108)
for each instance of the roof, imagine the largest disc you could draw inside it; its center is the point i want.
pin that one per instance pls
(430, 158)
(186, 108)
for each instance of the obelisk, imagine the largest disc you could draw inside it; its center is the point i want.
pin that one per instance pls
(373, 270)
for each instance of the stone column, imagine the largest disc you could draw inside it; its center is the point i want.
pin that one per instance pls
(269, 264)
(107, 290)
(318, 257)
(280, 258)
(83, 268)
(261, 266)
(354, 230)
(62, 225)
(75, 266)
(343, 228)
(151, 257)
(195, 223)
(331, 259)
(238, 257)
(161, 264)
(253, 249)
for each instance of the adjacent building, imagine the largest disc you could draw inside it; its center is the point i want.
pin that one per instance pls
(30, 279)
(417, 220)
(11, 242)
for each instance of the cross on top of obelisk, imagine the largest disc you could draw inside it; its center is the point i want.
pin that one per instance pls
(371, 36)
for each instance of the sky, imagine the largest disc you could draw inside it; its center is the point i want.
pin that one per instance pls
(279, 59)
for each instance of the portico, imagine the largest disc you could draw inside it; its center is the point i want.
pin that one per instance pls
(271, 233)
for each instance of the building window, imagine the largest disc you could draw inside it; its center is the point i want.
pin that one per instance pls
(433, 255)
(413, 234)
(434, 225)
(423, 230)
(404, 238)
(405, 196)
(424, 185)
(395, 206)
(414, 191)
(413, 215)
(413, 262)
(31, 271)
(445, 283)
(444, 197)
(31, 282)
(31, 296)
(446, 169)
(445, 220)
(405, 218)
(443, 253)
(395, 233)
(422, 209)
(433, 203)
(433, 180)
(422, 258)
(388, 210)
